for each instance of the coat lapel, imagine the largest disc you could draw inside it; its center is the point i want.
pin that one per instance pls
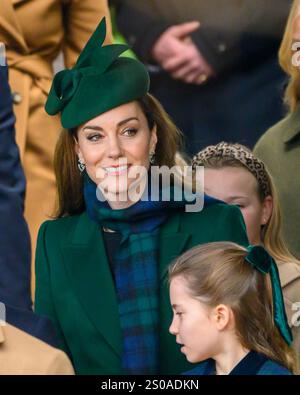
(89, 273)
(171, 244)
(10, 24)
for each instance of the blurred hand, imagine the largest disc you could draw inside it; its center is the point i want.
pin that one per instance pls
(177, 54)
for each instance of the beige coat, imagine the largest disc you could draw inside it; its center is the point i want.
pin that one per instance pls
(34, 33)
(23, 354)
(290, 282)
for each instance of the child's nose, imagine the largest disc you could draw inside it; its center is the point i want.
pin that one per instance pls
(172, 328)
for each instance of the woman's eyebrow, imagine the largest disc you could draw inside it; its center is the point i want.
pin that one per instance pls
(99, 128)
(127, 120)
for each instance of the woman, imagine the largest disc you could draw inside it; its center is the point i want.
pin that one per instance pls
(233, 174)
(279, 147)
(101, 265)
(225, 315)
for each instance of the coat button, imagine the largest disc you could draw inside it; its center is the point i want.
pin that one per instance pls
(222, 47)
(17, 98)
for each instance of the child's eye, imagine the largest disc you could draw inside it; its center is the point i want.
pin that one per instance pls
(130, 132)
(178, 313)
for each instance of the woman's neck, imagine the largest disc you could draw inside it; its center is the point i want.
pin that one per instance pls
(232, 353)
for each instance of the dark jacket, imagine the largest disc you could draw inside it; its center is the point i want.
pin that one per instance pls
(14, 235)
(240, 40)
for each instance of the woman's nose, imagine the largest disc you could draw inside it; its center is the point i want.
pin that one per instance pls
(114, 148)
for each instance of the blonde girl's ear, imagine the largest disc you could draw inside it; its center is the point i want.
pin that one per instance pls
(267, 210)
(222, 317)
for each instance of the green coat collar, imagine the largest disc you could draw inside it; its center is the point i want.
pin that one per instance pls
(293, 125)
(87, 265)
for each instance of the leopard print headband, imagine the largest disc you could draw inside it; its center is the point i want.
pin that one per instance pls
(240, 153)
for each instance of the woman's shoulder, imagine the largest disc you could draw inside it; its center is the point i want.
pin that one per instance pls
(275, 135)
(60, 227)
(217, 221)
(273, 368)
(289, 273)
(213, 212)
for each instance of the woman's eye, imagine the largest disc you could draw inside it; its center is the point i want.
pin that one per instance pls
(178, 313)
(130, 132)
(94, 137)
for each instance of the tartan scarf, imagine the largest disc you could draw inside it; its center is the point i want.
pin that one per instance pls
(136, 273)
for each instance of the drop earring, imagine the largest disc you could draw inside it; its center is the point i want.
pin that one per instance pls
(81, 165)
(152, 158)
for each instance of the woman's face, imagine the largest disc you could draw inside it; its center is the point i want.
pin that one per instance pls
(296, 26)
(296, 39)
(115, 143)
(192, 323)
(236, 185)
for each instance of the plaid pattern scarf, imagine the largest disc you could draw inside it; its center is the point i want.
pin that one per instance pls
(136, 274)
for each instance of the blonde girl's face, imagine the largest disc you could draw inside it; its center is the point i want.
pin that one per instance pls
(192, 324)
(236, 185)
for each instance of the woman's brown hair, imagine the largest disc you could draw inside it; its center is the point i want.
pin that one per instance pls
(217, 273)
(69, 179)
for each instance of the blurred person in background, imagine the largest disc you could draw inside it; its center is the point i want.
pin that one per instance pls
(213, 64)
(279, 147)
(34, 33)
(27, 340)
(14, 235)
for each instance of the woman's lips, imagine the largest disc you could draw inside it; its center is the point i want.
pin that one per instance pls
(116, 171)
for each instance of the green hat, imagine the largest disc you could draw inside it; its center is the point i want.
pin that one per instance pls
(99, 81)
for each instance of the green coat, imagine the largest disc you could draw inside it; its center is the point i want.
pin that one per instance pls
(279, 149)
(74, 286)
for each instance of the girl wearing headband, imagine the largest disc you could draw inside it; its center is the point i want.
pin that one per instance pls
(101, 264)
(233, 174)
(228, 311)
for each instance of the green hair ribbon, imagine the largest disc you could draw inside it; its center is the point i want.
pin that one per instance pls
(262, 261)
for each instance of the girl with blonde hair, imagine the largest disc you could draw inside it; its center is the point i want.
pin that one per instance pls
(228, 311)
(234, 175)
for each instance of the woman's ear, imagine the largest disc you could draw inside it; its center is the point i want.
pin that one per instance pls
(77, 148)
(266, 210)
(222, 317)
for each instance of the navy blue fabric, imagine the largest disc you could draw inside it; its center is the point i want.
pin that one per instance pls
(239, 112)
(252, 364)
(15, 255)
(38, 326)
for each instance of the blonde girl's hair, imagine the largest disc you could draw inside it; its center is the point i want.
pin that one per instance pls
(236, 155)
(70, 181)
(286, 53)
(217, 273)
